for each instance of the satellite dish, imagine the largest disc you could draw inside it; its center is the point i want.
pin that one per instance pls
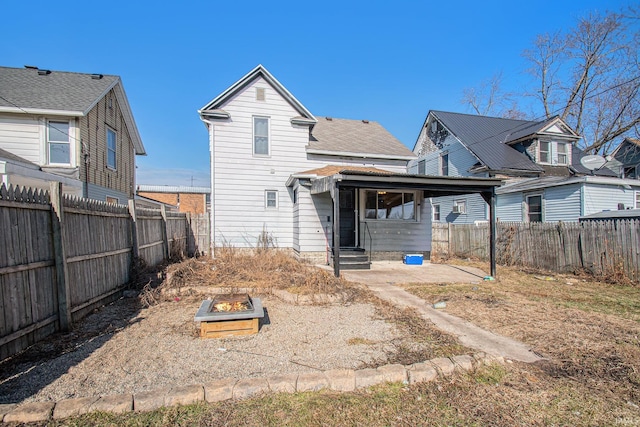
(593, 162)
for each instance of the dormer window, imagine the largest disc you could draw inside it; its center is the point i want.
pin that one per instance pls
(554, 153)
(544, 155)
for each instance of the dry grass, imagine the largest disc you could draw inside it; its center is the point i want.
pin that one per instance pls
(261, 269)
(589, 331)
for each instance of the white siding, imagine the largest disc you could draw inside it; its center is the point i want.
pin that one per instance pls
(314, 227)
(598, 198)
(562, 203)
(509, 207)
(22, 136)
(239, 179)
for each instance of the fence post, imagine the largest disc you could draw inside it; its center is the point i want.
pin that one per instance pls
(165, 237)
(134, 229)
(189, 233)
(449, 232)
(62, 275)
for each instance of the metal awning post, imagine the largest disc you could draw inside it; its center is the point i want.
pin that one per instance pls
(335, 197)
(490, 198)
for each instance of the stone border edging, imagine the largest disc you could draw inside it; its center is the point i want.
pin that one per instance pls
(342, 380)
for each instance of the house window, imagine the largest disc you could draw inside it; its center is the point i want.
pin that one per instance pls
(460, 206)
(630, 172)
(260, 94)
(534, 208)
(563, 157)
(113, 200)
(390, 205)
(295, 196)
(271, 199)
(421, 167)
(111, 148)
(58, 142)
(436, 212)
(444, 164)
(261, 136)
(637, 199)
(544, 153)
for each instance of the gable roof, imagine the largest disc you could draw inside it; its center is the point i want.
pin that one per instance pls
(355, 138)
(485, 137)
(213, 107)
(44, 92)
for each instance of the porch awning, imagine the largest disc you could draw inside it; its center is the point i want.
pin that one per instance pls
(433, 186)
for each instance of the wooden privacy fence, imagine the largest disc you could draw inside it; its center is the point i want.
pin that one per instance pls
(601, 247)
(60, 257)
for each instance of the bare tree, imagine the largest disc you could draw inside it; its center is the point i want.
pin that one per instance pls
(590, 76)
(488, 99)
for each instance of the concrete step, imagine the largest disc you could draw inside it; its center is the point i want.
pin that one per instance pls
(355, 265)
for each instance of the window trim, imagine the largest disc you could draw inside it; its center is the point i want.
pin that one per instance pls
(437, 208)
(253, 136)
(460, 202)
(444, 164)
(109, 149)
(49, 142)
(266, 199)
(548, 152)
(416, 211)
(527, 217)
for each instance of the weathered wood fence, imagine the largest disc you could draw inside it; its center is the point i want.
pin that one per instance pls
(60, 257)
(605, 248)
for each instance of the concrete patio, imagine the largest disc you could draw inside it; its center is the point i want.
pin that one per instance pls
(392, 272)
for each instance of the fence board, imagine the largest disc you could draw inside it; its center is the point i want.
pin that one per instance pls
(98, 242)
(604, 247)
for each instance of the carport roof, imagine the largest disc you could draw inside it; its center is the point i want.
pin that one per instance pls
(433, 186)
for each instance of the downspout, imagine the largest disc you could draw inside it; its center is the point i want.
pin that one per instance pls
(212, 222)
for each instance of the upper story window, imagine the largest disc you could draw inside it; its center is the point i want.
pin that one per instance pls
(390, 205)
(554, 153)
(544, 155)
(637, 199)
(58, 143)
(421, 167)
(563, 155)
(630, 172)
(444, 164)
(261, 136)
(111, 148)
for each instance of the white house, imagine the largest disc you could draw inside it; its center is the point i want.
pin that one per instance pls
(279, 174)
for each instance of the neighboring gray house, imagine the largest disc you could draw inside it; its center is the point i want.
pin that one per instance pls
(73, 128)
(319, 186)
(544, 179)
(625, 159)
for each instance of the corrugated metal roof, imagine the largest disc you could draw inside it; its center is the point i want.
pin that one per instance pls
(172, 189)
(485, 137)
(59, 90)
(356, 137)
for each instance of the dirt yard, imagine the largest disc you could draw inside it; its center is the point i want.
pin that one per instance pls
(151, 341)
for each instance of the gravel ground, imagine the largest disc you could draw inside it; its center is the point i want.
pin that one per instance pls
(123, 349)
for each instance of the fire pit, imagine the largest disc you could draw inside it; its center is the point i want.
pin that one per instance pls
(229, 314)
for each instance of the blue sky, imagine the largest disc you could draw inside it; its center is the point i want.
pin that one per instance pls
(390, 62)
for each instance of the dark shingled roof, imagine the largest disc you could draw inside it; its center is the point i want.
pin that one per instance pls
(485, 136)
(25, 88)
(355, 136)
